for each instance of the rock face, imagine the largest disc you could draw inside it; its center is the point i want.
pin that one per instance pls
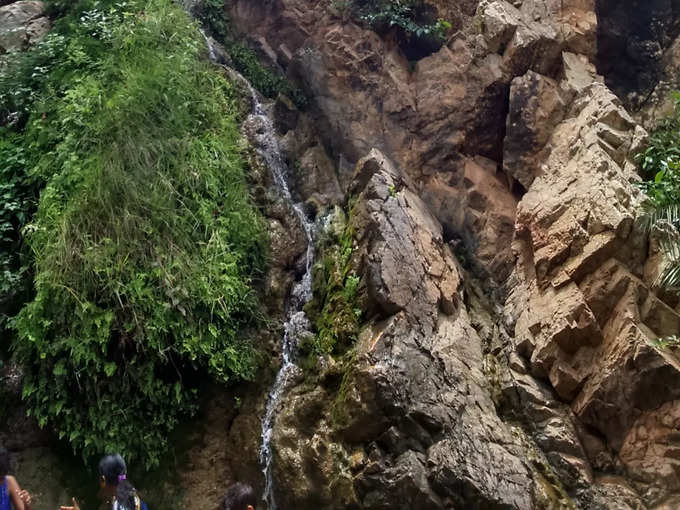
(21, 24)
(529, 379)
(508, 299)
(446, 449)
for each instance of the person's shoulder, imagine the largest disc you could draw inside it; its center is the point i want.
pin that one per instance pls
(11, 481)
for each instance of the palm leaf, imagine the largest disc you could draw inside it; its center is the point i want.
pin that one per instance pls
(652, 213)
(670, 246)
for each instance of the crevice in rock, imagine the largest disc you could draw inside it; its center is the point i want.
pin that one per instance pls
(517, 189)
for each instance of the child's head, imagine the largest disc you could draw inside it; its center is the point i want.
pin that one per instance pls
(4, 462)
(112, 470)
(240, 497)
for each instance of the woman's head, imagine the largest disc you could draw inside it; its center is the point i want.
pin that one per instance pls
(4, 462)
(240, 497)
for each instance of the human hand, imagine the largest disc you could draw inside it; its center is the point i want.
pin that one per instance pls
(25, 496)
(74, 507)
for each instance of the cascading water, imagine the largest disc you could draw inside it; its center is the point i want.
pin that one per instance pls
(260, 130)
(264, 139)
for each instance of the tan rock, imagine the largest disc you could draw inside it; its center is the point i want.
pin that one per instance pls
(315, 176)
(499, 22)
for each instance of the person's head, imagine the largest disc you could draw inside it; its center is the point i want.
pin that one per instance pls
(240, 497)
(4, 462)
(113, 478)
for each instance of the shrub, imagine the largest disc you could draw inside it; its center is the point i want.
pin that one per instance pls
(18, 193)
(418, 30)
(146, 244)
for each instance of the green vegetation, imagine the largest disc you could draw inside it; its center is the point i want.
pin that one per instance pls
(418, 30)
(18, 193)
(335, 309)
(268, 81)
(145, 244)
(660, 164)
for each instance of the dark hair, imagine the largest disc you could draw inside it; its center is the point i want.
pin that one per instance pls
(111, 468)
(4, 463)
(239, 496)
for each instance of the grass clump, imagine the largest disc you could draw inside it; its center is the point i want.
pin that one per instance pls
(145, 242)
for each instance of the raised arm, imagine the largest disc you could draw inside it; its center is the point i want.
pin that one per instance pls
(14, 490)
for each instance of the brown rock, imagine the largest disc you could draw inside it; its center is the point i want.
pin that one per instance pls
(285, 114)
(316, 178)
(536, 107)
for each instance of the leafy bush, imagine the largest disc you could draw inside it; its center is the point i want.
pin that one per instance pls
(660, 165)
(18, 193)
(213, 16)
(419, 32)
(145, 241)
(404, 15)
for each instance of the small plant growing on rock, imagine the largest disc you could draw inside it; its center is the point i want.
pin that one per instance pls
(418, 29)
(335, 309)
(667, 343)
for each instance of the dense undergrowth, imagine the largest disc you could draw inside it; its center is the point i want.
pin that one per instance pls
(143, 248)
(660, 164)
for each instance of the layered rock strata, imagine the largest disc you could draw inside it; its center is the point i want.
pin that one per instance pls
(508, 146)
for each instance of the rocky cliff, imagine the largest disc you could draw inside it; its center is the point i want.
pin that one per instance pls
(506, 296)
(506, 355)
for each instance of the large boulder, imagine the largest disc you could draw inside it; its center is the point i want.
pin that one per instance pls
(21, 24)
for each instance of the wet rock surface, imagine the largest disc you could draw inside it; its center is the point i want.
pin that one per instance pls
(446, 449)
(507, 153)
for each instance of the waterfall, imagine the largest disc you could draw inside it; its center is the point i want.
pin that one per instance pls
(262, 136)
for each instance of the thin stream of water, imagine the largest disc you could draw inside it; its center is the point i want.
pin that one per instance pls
(262, 135)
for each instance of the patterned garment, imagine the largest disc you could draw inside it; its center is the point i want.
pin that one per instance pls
(4, 496)
(139, 505)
